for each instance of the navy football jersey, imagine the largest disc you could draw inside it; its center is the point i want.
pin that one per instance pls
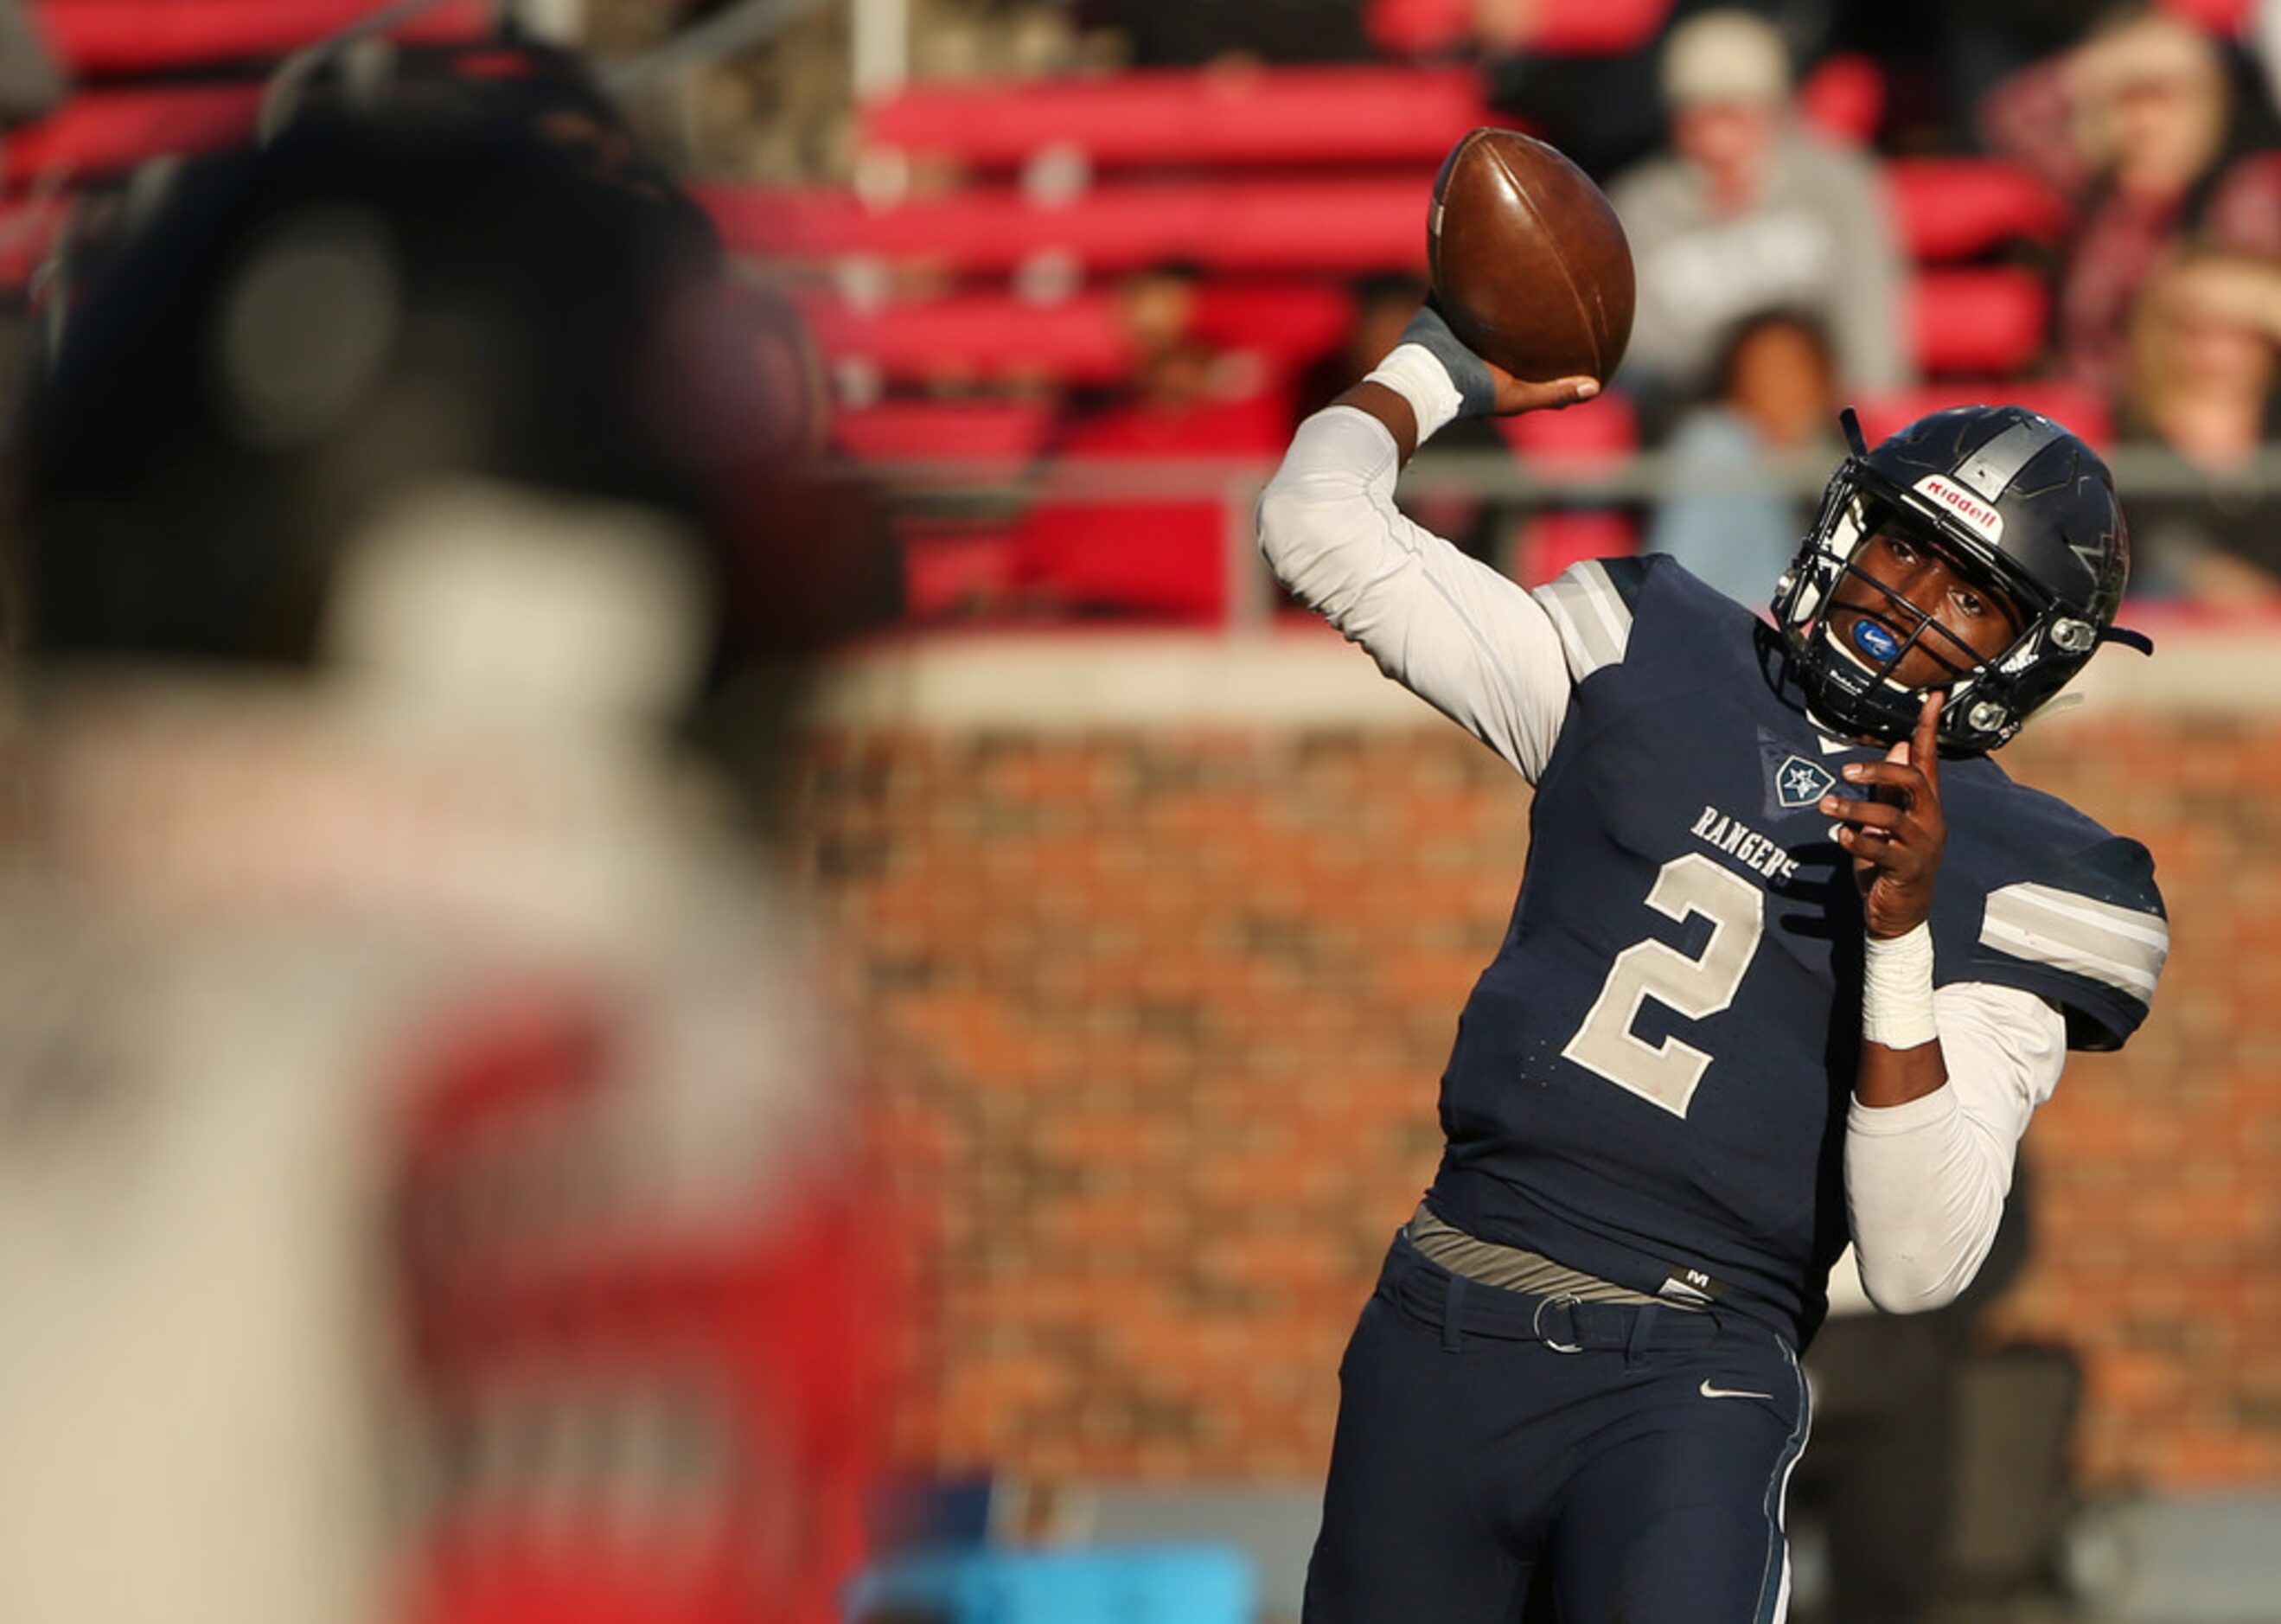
(1650, 1082)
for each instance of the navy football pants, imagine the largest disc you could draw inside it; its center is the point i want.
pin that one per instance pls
(1481, 1475)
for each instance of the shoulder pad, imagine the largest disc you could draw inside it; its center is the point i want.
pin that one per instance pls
(1591, 605)
(2088, 930)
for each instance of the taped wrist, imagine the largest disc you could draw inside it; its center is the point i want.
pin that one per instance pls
(1896, 990)
(1440, 378)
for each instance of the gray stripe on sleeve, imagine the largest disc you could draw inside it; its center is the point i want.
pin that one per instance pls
(1594, 621)
(2123, 947)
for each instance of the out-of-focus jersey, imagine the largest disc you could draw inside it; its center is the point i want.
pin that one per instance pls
(426, 1189)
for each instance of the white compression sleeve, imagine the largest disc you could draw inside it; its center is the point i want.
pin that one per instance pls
(1458, 634)
(1925, 1182)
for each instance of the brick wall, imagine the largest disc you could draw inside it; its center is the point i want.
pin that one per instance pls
(1169, 989)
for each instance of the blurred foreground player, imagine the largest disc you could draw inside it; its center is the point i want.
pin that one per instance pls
(425, 1168)
(1793, 958)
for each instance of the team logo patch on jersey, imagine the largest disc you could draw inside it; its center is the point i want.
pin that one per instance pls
(1801, 782)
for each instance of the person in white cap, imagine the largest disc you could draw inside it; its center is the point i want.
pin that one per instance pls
(1750, 212)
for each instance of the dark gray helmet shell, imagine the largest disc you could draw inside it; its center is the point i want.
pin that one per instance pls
(2017, 499)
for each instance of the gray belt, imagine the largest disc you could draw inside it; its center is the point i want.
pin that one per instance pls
(1512, 1268)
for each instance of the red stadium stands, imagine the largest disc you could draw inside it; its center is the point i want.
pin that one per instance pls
(134, 36)
(988, 440)
(1844, 99)
(1550, 542)
(1558, 27)
(1280, 185)
(1953, 208)
(1600, 433)
(980, 336)
(2226, 19)
(1164, 558)
(1977, 323)
(2079, 408)
(1170, 117)
(1339, 225)
(1079, 340)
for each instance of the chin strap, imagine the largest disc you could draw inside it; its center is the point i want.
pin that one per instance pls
(2129, 639)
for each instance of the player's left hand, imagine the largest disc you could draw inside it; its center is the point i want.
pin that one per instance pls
(1895, 835)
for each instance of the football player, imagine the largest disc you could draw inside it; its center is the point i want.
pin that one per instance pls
(1793, 962)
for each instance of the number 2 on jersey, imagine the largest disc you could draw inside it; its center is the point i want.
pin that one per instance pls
(1666, 1073)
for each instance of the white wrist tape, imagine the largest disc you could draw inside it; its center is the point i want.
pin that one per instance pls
(1896, 990)
(1416, 374)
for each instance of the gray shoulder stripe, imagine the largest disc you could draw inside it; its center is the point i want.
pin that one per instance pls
(1594, 621)
(2123, 947)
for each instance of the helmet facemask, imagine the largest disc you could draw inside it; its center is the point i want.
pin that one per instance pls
(1850, 672)
(2005, 547)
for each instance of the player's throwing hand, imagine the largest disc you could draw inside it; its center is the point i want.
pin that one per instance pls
(1895, 833)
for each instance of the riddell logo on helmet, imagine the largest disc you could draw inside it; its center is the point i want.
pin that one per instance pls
(1982, 519)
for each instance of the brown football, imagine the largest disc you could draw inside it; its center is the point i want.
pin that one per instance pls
(1528, 260)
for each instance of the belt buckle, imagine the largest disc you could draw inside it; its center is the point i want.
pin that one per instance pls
(1567, 1300)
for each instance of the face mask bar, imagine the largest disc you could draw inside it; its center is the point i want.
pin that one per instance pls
(1872, 516)
(1854, 688)
(1861, 518)
(1987, 701)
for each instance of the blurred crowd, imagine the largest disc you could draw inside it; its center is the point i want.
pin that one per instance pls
(1748, 149)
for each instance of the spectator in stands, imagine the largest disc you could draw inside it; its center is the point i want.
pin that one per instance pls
(1748, 211)
(1741, 463)
(1132, 552)
(2144, 126)
(2206, 386)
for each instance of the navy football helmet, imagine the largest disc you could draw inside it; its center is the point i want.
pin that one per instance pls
(2013, 499)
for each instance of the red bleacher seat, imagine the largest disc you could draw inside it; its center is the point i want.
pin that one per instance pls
(129, 36)
(2079, 408)
(2226, 19)
(1595, 438)
(1550, 542)
(953, 570)
(1844, 99)
(1347, 225)
(102, 131)
(1976, 322)
(1283, 323)
(1596, 434)
(1176, 116)
(988, 440)
(980, 336)
(1559, 27)
(1079, 340)
(1952, 208)
(1162, 558)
